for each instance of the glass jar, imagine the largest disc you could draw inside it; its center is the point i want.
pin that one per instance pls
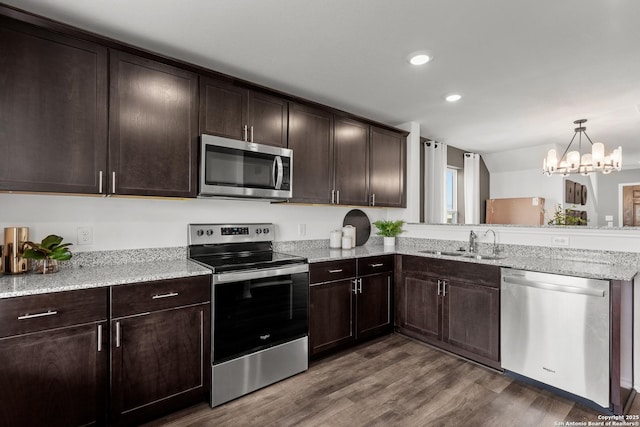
(46, 266)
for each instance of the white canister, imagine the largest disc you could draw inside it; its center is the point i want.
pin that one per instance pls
(335, 239)
(346, 242)
(350, 231)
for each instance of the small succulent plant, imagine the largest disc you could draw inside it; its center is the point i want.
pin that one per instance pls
(51, 247)
(389, 228)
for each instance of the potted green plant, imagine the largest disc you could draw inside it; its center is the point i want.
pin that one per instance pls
(389, 230)
(47, 253)
(564, 217)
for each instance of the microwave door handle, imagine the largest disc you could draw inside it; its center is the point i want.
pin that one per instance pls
(278, 162)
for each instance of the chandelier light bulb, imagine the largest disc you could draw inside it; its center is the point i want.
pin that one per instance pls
(597, 152)
(573, 159)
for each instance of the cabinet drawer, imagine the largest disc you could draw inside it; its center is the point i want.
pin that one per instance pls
(332, 270)
(470, 272)
(375, 264)
(34, 313)
(145, 297)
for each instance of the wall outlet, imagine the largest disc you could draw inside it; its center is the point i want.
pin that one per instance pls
(560, 241)
(85, 236)
(302, 229)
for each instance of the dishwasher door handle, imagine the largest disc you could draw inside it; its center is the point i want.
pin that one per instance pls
(554, 287)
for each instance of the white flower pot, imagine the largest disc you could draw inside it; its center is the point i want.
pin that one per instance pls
(389, 241)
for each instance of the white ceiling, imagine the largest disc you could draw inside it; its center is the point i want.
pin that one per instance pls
(526, 69)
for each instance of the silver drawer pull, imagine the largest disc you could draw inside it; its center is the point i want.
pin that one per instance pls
(169, 295)
(375, 265)
(32, 316)
(335, 271)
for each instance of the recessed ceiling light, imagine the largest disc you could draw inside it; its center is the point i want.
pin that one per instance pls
(453, 97)
(419, 58)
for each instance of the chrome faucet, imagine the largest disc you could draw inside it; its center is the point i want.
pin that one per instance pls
(473, 242)
(494, 250)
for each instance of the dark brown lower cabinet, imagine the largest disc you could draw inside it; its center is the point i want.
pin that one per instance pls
(453, 305)
(160, 348)
(352, 307)
(54, 359)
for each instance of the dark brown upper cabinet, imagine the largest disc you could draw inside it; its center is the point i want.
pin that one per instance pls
(153, 128)
(53, 111)
(351, 153)
(387, 168)
(234, 111)
(311, 139)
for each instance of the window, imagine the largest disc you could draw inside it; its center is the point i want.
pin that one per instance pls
(451, 191)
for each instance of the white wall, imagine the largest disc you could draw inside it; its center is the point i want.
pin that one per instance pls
(412, 212)
(528, 183)
(132, 223)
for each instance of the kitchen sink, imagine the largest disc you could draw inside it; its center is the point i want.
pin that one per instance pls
(487, 257)
(447, 253)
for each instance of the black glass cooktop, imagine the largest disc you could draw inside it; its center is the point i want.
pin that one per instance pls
(237, 257)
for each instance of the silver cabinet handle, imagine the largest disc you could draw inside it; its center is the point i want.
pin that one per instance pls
(117, 334)
(113, 182)
(355, 286)
(444, 288)
(33, 316)
(337, 197)
(373, 199)
(360, 282)
(245, 133)
(439, 285)
(169, 295)
(251, 133)
(333, 197)
(376, 265)
(99, 338)
(100, 182)
(335, 271)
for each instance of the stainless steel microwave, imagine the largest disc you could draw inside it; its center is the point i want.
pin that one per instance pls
(232, 168)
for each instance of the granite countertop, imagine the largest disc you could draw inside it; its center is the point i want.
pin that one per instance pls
(571, 267)
(93, 277)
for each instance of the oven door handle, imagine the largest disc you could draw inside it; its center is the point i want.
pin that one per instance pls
(239, 276)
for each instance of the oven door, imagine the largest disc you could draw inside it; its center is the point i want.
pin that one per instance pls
(231, 168)
(259, 309)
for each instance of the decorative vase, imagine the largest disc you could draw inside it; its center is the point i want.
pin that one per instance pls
(389, 241)
(46, 266)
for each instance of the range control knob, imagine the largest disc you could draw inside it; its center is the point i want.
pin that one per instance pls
(265, 230)
(200, 232)
(209, 232)
(258, 231)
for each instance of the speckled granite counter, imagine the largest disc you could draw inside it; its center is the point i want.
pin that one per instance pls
(569, 267)
(93, 277)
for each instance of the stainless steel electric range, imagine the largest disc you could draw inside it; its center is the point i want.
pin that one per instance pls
(260, 305)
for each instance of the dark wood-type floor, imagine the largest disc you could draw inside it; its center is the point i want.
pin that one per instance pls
(392, 381)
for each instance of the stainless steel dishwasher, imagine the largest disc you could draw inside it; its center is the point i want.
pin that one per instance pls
(555, 330)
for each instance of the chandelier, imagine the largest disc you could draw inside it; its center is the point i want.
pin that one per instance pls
(573, 162)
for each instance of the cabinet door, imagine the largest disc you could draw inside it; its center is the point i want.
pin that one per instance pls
(268, 119)
(153, 126)
(351, 153)
(311, 139)
(374, 306)
(159, 361)
(330, 315)
(387, 168)
(53, 111)
(54, 378)
(419, 311)
(471, 319)
(223, 109)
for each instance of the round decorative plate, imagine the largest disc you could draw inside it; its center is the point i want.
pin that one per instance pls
(361, 222)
